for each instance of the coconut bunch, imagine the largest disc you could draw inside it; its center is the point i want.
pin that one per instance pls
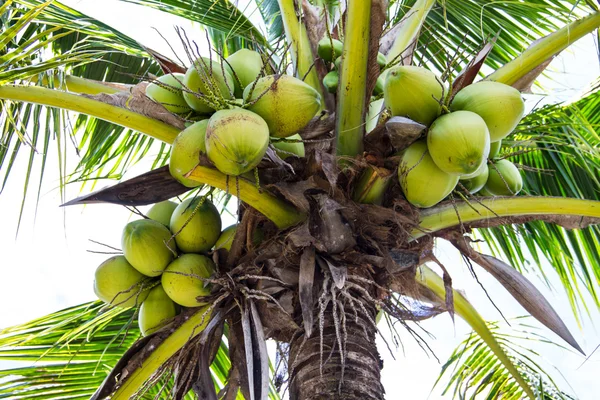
(239, 111)
(166, 261)
(462, 140)
(330, 50)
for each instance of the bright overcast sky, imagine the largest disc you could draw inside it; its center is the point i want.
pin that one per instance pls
(47, 267)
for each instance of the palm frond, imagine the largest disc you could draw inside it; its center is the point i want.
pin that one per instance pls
(69, 353)
(460, 27)
(558, 147)
(474, 372)
(223, 15)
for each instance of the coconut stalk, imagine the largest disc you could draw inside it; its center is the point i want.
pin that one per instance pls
(352, 89)
(282, 213)
(448, 215)
(464, 309)
(76, 84)
(372, 185)
(302, 55)
(73, 102)
(191, 328)
(543, 49)
(407, 31)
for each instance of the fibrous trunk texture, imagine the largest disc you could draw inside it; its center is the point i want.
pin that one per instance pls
(329, 374)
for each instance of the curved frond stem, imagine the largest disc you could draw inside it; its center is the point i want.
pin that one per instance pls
(282, 213)
(73, 102)
(191, 328)
(448, 215)
(429, 279)
(540, 51)
(76, 84)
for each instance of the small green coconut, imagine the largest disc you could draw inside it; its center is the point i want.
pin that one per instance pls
(210, 79)
(381, 60)
(156, 311)
(413, 92)
(236, 140)
(199, 233)
(117, 283)
(161, 212)
(338, 63)
(459, 142)
(329, 49)
(290, 146)
(226, 238)
(495, 149)
(186, 150)
(181, 280)
(331, 81)
(475, 183)
(147, 245)
(422, 182)
(379, 84)
(247, 65)
(167, 90)
(500, 105)
(504, 179)
(287, 104)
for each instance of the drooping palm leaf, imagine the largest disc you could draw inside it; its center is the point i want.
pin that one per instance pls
(69, 353)
(560, 143)
(474, 372)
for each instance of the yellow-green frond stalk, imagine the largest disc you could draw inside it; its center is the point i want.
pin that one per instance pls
(429, 279)
(447, 215)
(352, 97)
(301, 51)
(545, 48)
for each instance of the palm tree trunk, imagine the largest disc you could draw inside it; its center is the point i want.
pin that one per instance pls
(353, 373)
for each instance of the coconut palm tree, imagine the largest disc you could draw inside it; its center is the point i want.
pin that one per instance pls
(343, 247)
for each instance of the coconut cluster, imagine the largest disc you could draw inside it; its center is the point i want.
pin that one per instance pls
(462, 141)
(235, 111)
(330, 50)
(165, 263)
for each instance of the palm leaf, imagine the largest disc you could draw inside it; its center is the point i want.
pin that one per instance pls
(69, 353)
(223, 15)
(467, 24)
(560, 143)
(474, 372)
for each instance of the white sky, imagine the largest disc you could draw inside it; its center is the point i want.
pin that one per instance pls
(47, 267)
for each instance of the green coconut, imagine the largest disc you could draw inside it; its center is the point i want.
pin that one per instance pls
(247, 65)
(286, 103)
(156, 311)
(199, 233)
(504, 179)
(226, 238)
(181, 280)
(378, 89)
(186, 150)
(422, 182)
(413, 92)
(236, 140)
(209, 79)
(373, 114)
(338, 63)
(459, 142)
(331, 81)
(167, 90)
(290, 146)
(161, 212)
(495, 149)
(475, 183)
(381, 60)
(500, 105)
(147, 245)
(117, 283)
(329, 49)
